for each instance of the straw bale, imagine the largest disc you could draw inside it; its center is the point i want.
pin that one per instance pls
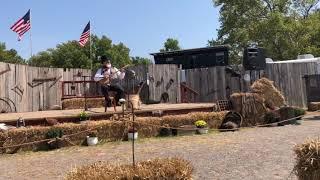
(266, 89)
(213, 119)
(166, 169)
(250, 106)
(314, 106)
(106, 130)
(51, 121)
(308, 160)
(78, 103)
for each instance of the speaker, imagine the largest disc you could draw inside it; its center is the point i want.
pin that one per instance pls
(254, 59)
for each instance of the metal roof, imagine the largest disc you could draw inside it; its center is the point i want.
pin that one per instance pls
(296, 61)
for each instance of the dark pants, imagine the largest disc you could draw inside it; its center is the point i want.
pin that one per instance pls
(114, 87)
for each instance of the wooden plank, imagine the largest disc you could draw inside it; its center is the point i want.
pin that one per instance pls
(222, 79)
(20, 88)
(210, 85)
(10, 83)
(36, 91)
(59, 87)
(203, 90)
(3, 68)
(152, 87)
(197, 82)
(178, 84)
(29, 89)
(174, 88)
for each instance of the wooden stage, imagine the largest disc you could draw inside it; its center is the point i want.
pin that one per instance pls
(98, 113)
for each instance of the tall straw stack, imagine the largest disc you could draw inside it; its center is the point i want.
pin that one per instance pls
(250, 106)
(266, 89)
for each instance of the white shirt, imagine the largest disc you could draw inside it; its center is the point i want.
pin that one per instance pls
(113, 72)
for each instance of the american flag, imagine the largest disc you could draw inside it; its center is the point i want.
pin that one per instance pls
(22, 25)
(85, 35)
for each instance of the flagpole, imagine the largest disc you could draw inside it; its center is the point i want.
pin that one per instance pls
(30, 37)
(91, 60)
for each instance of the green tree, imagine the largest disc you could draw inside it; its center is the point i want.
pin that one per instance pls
(170, 45)
(10, 56)
(71, 55)
(140, 60)
(285, 28)
(42, 59)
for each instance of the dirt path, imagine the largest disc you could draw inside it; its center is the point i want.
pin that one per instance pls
(263, 153)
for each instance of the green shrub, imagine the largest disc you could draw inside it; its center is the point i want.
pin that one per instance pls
(271, 117)
(54, 133)
(83, 116)
(299, 112)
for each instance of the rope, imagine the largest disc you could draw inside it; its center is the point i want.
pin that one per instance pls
(192, 129)
(46, 140)
(167, 127)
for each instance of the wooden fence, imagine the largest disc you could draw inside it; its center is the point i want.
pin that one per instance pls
(164, 83)
(215, 83)
(288, 77)
(34, 88)
(39, 88)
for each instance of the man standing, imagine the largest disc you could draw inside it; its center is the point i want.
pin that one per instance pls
(109, 77)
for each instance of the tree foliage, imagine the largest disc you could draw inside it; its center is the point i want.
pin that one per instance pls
(10, 56)
(71, 55)
(285, 28)
(170, 45)
(140, 61)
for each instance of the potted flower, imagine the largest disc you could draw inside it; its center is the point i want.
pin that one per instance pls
(132, 134)
(83, 116)
(202, 127)
(92, 138)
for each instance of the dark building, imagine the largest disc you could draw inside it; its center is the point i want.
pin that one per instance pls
(195, 58)
(312, 87)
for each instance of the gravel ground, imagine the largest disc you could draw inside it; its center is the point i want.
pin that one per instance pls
(261, 153)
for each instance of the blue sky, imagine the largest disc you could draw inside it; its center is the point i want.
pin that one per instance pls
(142, 25)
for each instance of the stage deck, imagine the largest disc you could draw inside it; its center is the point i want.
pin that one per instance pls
(145, 109)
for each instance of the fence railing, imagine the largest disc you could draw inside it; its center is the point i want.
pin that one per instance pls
(188, 95)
